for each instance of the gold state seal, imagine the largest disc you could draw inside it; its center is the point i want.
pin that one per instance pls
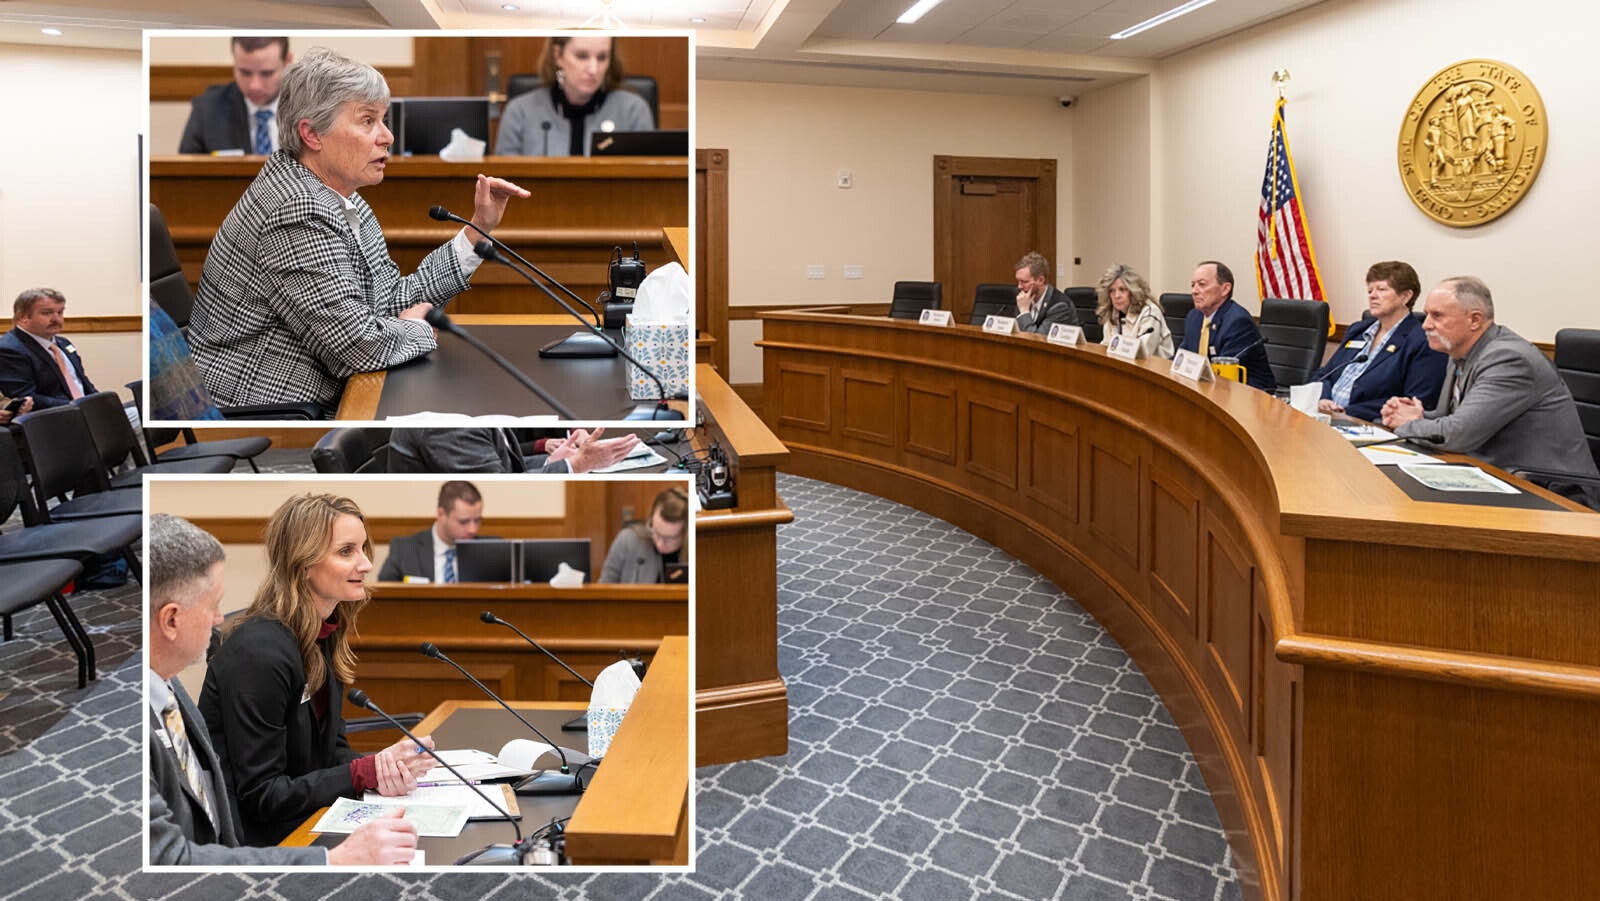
(1472, 142)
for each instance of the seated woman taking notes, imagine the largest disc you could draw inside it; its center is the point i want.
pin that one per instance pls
(641, 552)
(580, 93)
(1127, 308)
(274, 688)
(1385, 356)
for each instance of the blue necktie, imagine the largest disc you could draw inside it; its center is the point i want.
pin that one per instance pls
(450, 565)
(263, 133)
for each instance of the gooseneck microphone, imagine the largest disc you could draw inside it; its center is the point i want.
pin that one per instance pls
(493, 620)
(441, 321)
(545, 127)
(542, 783)
(441, 214)
(489, 856)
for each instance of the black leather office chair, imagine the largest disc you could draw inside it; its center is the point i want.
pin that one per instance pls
(1085, 300)
(352, 450)
(643, 85)
(1578, 361)
(911, 298)
(1175, 308)
(993, 300)
(117, 443)
(1296, 333)
(168, 285)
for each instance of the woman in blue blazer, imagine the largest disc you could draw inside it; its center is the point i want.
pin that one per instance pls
(1385, 356)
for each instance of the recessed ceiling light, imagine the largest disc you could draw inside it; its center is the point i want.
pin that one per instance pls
(917, 11)
(53, 32)
(1161, 19)
(698, 20)
(510, 7)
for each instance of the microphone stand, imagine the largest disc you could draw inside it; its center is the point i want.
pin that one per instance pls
(490, 855)
(439, 320)
(576, 724)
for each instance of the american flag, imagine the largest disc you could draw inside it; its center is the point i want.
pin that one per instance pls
(1285, 265)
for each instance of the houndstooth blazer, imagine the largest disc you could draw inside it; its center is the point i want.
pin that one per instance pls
(290, 304)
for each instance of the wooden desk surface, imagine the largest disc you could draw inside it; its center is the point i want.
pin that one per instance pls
(1378, 690)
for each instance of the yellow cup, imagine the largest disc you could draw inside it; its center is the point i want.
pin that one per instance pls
(1228, 368)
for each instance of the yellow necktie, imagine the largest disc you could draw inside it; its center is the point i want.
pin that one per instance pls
(1205, 338)
(188, 761)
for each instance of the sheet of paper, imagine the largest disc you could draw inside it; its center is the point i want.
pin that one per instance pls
(1361, 433)
(454, 795)
(636, 461)
(475, 765)
(1445, 477)
(1387, 454)
(346, 814)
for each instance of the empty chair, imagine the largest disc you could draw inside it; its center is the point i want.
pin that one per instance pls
(1578, 361)
(1085, 300)
(1296, 333)
(911, 298)
(993, 300)
(169, 287)
(63, 460)
(24, 585)
(352, 450)
(1175, 308)
(117, 443)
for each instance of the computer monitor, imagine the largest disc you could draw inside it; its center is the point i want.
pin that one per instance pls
(422, 125)
(674, 573)
(639, 143)
(540, 557)
(486, 560)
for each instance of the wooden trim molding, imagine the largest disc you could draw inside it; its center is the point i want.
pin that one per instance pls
(86, 325)
(183, 83)
(381, 529)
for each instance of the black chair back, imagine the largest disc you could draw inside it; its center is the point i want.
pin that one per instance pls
(14, 481)
(113, 435)
(911, 298)
(1296, 332)
(1085, 300)
(60, 452)
(352, 451)
(643, 85)
(1578, 361)
(993, 300)
(1175, 308)
(168, 285)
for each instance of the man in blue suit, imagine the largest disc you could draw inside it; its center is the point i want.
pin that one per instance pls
(240, 115)
(1228, 328)
(35, 361)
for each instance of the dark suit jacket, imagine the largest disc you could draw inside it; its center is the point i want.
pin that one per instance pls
(1052, 308)
(409, 555)
(26, 369)
(180, 830)
(218, 120)
(1404, 367)
(282, 763)
(1233, 334)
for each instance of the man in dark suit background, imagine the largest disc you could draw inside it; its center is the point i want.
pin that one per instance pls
(1039, 304)
(1229, 329)
(35, 361)
(241, 115)
(431, 553)
(192, 819)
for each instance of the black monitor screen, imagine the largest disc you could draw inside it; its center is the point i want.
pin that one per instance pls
(486, 560)
(639, 143)
(422, 125)
(540, 557)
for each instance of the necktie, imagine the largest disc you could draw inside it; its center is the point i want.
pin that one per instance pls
(187, 760)
(66, 374)
(1457, 386)
(263, 133)
(1205, 338)
(450, 565)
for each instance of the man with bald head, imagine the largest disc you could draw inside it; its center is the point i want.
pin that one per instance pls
(1502, 400)
(1219, 327)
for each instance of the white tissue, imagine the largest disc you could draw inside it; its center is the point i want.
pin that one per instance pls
(567, 577)
(1304, 397)
(613, 692)
(463, 148)
(665, 296)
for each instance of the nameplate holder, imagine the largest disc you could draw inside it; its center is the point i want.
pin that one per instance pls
(1065, 335)
(934, 317)
(999, 325)
(1187, 364)
(1124, 347)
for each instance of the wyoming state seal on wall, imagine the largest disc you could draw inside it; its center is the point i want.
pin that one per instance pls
(1472, 142)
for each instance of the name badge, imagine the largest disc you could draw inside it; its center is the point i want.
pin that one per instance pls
(999, 325)
(1065, 335)
(1124, 347)
(1189, 365)
(1356, 343)
(161, 735)
(1392, 348)
(934, 317)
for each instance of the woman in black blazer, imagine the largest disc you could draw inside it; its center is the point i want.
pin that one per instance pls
(273, 689)
(1384, 356)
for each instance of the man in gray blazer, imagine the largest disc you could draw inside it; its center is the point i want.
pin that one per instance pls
(192, 816)
(1502, 400)
(1039, 304)
(430, 554)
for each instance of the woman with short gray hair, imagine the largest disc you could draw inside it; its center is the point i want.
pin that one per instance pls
(299, 291)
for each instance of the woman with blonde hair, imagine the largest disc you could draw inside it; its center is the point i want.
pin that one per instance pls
(580, 93)
(273, 689)
(1127, 308)
(641, 552)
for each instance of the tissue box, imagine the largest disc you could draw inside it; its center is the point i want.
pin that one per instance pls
(603, 725)
(664, 347)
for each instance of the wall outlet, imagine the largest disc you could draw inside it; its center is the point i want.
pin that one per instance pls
(816, 272)
(852, 271)
(845, 179)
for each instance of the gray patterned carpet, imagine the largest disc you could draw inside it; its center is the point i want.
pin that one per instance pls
(959, 729)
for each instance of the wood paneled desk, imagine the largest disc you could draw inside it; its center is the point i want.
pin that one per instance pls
(1387, 698)
(581, 208)
(635, 810)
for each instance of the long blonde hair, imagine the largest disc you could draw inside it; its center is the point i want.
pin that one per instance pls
(297, 538)
(1139, 295)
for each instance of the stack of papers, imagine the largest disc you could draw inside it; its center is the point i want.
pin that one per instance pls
(477, 766)
(1385, 454)
(347, 814)
(1361, 433)
(454, 795)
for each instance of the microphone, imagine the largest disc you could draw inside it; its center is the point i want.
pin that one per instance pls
(1358, 358)
(545, 127)
(486, 250)
(543, 782)
(576, 724)
(489, 856)
(441, 214)
(439, 320)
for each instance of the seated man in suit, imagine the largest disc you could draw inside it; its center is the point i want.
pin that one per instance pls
(242, 114)
(430, 555)
(192, 818)
(1039, 304)
(35, 361)
(1502, 400)
(1226, 328)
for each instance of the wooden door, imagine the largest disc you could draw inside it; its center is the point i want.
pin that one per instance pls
(987, 213)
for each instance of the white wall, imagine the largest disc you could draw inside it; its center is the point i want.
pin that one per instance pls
(786, 144)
